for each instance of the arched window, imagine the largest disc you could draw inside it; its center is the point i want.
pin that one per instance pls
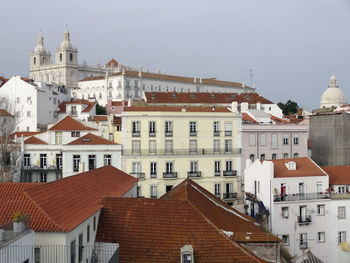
(34, 60)
(60, 57)
(71, 57)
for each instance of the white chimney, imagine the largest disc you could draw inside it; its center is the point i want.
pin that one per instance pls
(258, 106)
(234, 106)
(244, 106)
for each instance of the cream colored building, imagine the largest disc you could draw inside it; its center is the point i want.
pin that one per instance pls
(162, 146)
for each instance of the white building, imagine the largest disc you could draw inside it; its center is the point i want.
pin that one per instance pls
(294, 191)
(333, 96)
(35, 104)
(79, 109)
(66, 148)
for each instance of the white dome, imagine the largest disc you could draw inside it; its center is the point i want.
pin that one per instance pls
(333, 96)
(40, 45)
(66, 44)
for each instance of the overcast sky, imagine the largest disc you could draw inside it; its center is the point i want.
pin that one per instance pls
(292, 46)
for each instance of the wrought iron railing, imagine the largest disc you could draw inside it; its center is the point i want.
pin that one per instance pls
(300, 197)
(229, 195)
(171, 175)
(200, 151)
(194, 174)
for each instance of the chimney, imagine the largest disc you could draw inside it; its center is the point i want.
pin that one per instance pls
(244, 106)
(234, 106)
(258, 106)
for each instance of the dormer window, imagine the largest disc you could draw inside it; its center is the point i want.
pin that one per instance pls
(291, 166)
(187, 254)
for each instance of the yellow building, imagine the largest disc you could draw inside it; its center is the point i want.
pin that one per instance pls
(162, 146)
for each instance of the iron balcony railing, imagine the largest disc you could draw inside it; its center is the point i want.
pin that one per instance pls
(229, 195)
(152, 134)
(193, 133)
(304, 220)
(217, 173)
(228, 133)
(33, 168)
(139, 175)
(171, 175)
(168, 133)
(216, 133)
(194, 174)
(136, 133)
(230, 173)
(301, 197)
(201, 151)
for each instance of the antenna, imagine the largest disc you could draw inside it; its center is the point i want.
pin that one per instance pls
(251, 74)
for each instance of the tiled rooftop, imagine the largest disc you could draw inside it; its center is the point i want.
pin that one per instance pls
(91, 139)
(69, 124)
(338, 174)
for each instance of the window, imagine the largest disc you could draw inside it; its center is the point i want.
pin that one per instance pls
(320, 210)
(341, 190)
(193, 166)
(28, 113)
(216, 128)
(88, 234)
(193, 146)
(216, 146)
(296, 139)
(285, 212)
(43, 160)
(92, 161)
(169, 167)
(217, 168)
(152, 128)
(168, 188)
(136, 147)
(168, 147)
(341, 212)
(285, 240)
(321, 237)
(228, 146)
(29, 100)
(251, 157)
(274, 143)
(263, 139)
(228, 165)
(26, 160)
(43, 178)
(251, 139)
(273, 156)
(18, 100)
(27, 128)
(168, 128)
(60, 57)
(285, 139)
(228, 128)
(80, 248)
(34, 61)
(37, 255)
(72, 251)
(58, 137)
(296, 155)
(136, 169)
(76, 161)
(217, 190)
(59, 160)
(94, 223)
(73, 111)
(153, 191)
(136, 128)
(153, 170)
(341, 237)
(301, 188)
(54, 101)
(262, 156)
(303, 241)
(318, 187)
(152, 147)
(285, 156)
(187, 258)
(193, 128)
(107, 159)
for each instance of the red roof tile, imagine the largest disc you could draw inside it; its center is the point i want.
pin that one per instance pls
(154, 230)
(34, 140)
(112, 63)
(91, 139)
(177, 109)
(62, 205)
(120, 103)
(89, 105)
(247, 119)
(3, 80)
(304, 167)
(99, 118)
(5, 113)
(338, 174)
(70, 124)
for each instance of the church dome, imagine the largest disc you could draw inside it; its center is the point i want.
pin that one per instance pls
(333, 96)
(66, 44)
(40, 45)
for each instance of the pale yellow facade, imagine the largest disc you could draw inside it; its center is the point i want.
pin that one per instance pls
(162, 156)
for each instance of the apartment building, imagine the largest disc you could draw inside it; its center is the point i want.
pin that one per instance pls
(164, 145)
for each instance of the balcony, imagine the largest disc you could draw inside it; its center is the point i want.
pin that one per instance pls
(168, 133)
(193, 133)
(201, 151)
(172, 175)
(39, 168)
(136, 133)
(218, 195)
(303, 245)
(216, 133)
(217, 173)
(300, 197)
(139, 175)
(229, 195)
(152, 134)
(228, 133)
(230, 173)
(304, 220)
(194, 174)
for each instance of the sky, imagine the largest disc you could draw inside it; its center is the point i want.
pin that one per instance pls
(292, 46)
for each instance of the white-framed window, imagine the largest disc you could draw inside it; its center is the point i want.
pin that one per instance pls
(76, 161)
(262, 156)
(341, 189)
(153, 169)
(136, 128)
(318, 187)
(193, 166)
(168, 128)
(168, 146)
(285, 212)
(274, 141)
(169, 166)
(75, 134)
(216, 146)
(217, 170)
(296, 155)
(341, 212)
(136, 147)
(28, 113)
(285, 240)
(152, 147)
(228, 146)
(263, 139)
(193, 146)
(216, 128)
(285, 156)
(285, 139)
(252, 157)
(193, 128)
(303, 240)
(136, 168)
(274, 156)
(217, 191)
(29, 100)
(58, 137)
(228, 165)
(92, 161)
(228, 128)
(296, 139)
(252, 139)
(321, 237)
(26, 160)
(153, 191)
(107, 159)
(152, 128)
(341, 237)
(320, 210)
(18, 100)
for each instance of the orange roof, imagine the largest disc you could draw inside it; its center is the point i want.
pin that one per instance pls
(219, 213)
(120, 103)
(99, 118)
(112, 63)
(338, 174)
(89, 105)
(177, 109)
(3, 80)
(304, 167)
(247, 119)
(70, 124)
(154, 230)
(25, 134)
(5, 113)
(209, 98)
(91, 139)
(34, 140)
(62, 205)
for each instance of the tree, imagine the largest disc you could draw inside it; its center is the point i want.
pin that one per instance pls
(100, 110)
(290, 107)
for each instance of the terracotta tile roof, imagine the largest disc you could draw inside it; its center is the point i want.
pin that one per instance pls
(154, 230)
(91, 139)
(120, 103)
(62, 205)
(278, 120)
(99, 118)
(304, 167)
(117, 120)
(70, 124)
(5, 113)
(177, 109)
(3, 80)
(219, 213)
(247, 119)
(112, 63)
(34, 140)
(338, 174)
(89, 105)
(209, 98)
(25, 134)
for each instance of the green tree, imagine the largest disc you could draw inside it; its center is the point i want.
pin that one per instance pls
(290, 107)
(100, 110)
